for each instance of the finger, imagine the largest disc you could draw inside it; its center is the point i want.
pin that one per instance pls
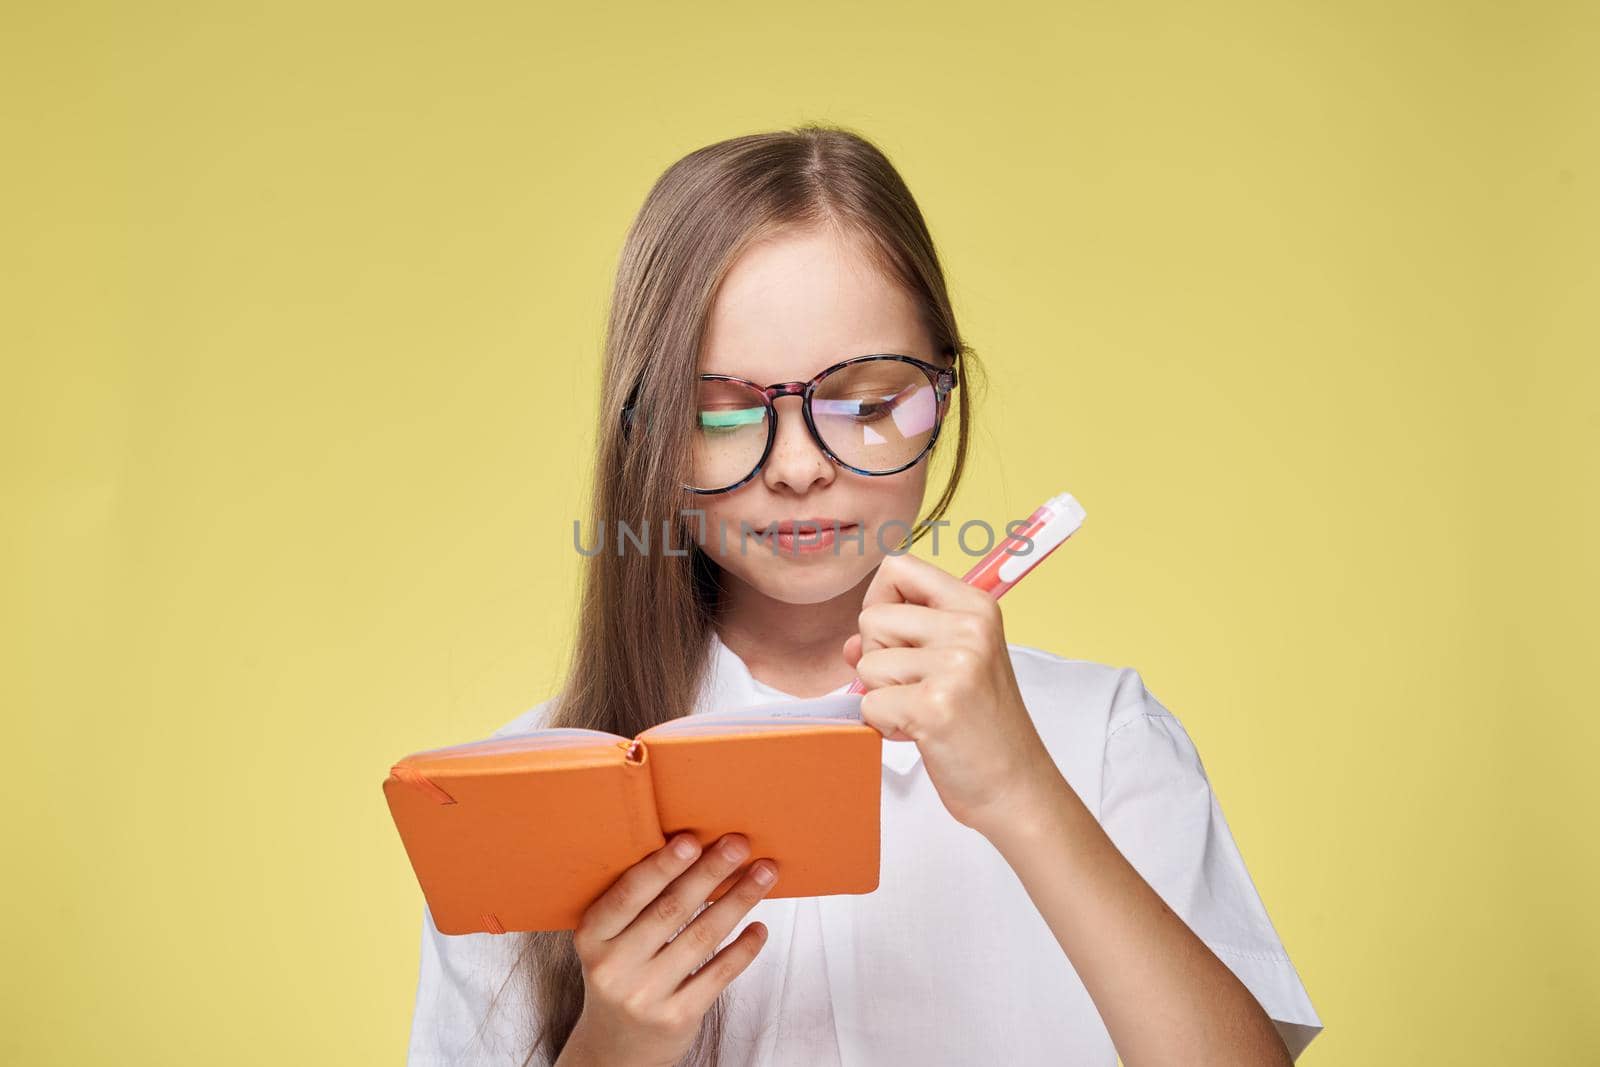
(887, 624)
(891, 710)
(619, 905)
(676, 904)
(702, 936)
(702, 987)
(909, 579)
(897, 666)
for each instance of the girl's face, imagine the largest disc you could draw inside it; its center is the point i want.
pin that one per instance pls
(790, 307)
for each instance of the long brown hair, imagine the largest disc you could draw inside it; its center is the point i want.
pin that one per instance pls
(646, 617)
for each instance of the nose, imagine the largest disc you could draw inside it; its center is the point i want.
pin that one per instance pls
(797, 461)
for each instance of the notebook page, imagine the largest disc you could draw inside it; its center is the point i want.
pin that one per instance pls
(533, 740)
(832, 706)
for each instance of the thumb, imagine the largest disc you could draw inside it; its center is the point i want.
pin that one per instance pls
(852, 649)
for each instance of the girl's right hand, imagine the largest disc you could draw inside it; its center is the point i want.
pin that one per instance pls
(641, 1003)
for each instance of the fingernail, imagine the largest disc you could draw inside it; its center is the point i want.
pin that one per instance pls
(765, 874)
(685, 847)
(734, 849)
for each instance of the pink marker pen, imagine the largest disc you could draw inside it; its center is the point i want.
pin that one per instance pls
(1047, 528)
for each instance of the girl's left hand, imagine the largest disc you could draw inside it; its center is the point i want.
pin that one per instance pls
(932, 653)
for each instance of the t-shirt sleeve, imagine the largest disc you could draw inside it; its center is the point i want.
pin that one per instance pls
(472, 1002)
(1158, 807)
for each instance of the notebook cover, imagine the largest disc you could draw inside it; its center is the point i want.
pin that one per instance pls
(503, 835)
(524, 832)
(808, 796)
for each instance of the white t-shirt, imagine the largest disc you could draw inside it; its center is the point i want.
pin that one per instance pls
(947, 962)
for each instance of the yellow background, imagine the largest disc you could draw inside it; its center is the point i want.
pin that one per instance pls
(302, 315)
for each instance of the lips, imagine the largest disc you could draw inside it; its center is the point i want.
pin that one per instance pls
(810, 537)
(791, 526)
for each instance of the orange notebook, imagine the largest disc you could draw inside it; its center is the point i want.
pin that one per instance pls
(523, 832)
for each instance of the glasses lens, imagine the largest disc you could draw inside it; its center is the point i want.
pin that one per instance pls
(876, 415)
(730, 434)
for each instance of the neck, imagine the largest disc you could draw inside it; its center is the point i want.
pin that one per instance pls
(793, 648)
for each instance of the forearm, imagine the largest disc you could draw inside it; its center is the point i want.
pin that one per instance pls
(1164, 997)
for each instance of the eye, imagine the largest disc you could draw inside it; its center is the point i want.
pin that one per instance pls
(873, 408)
(722, 422)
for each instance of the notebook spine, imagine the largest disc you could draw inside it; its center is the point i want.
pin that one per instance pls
(644, 823)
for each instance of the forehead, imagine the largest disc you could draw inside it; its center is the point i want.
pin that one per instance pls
(799, 302)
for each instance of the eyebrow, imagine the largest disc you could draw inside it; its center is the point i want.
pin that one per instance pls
(907, 350)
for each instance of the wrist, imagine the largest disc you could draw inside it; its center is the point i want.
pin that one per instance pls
(580, 1049)
(1034, 809)
(583, 1049)
(575, 1053)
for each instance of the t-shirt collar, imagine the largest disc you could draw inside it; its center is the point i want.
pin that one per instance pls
(731, 685)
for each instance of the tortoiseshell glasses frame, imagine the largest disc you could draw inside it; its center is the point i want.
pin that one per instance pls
(943, 380)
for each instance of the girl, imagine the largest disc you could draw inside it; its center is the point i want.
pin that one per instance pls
(1058, 884)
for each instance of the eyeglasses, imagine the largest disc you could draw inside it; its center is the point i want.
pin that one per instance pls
(875, 415)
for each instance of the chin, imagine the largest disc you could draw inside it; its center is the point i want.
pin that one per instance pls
(804, 581)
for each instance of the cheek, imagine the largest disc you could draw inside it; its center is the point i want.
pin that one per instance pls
(897, 500)
(704, 516)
